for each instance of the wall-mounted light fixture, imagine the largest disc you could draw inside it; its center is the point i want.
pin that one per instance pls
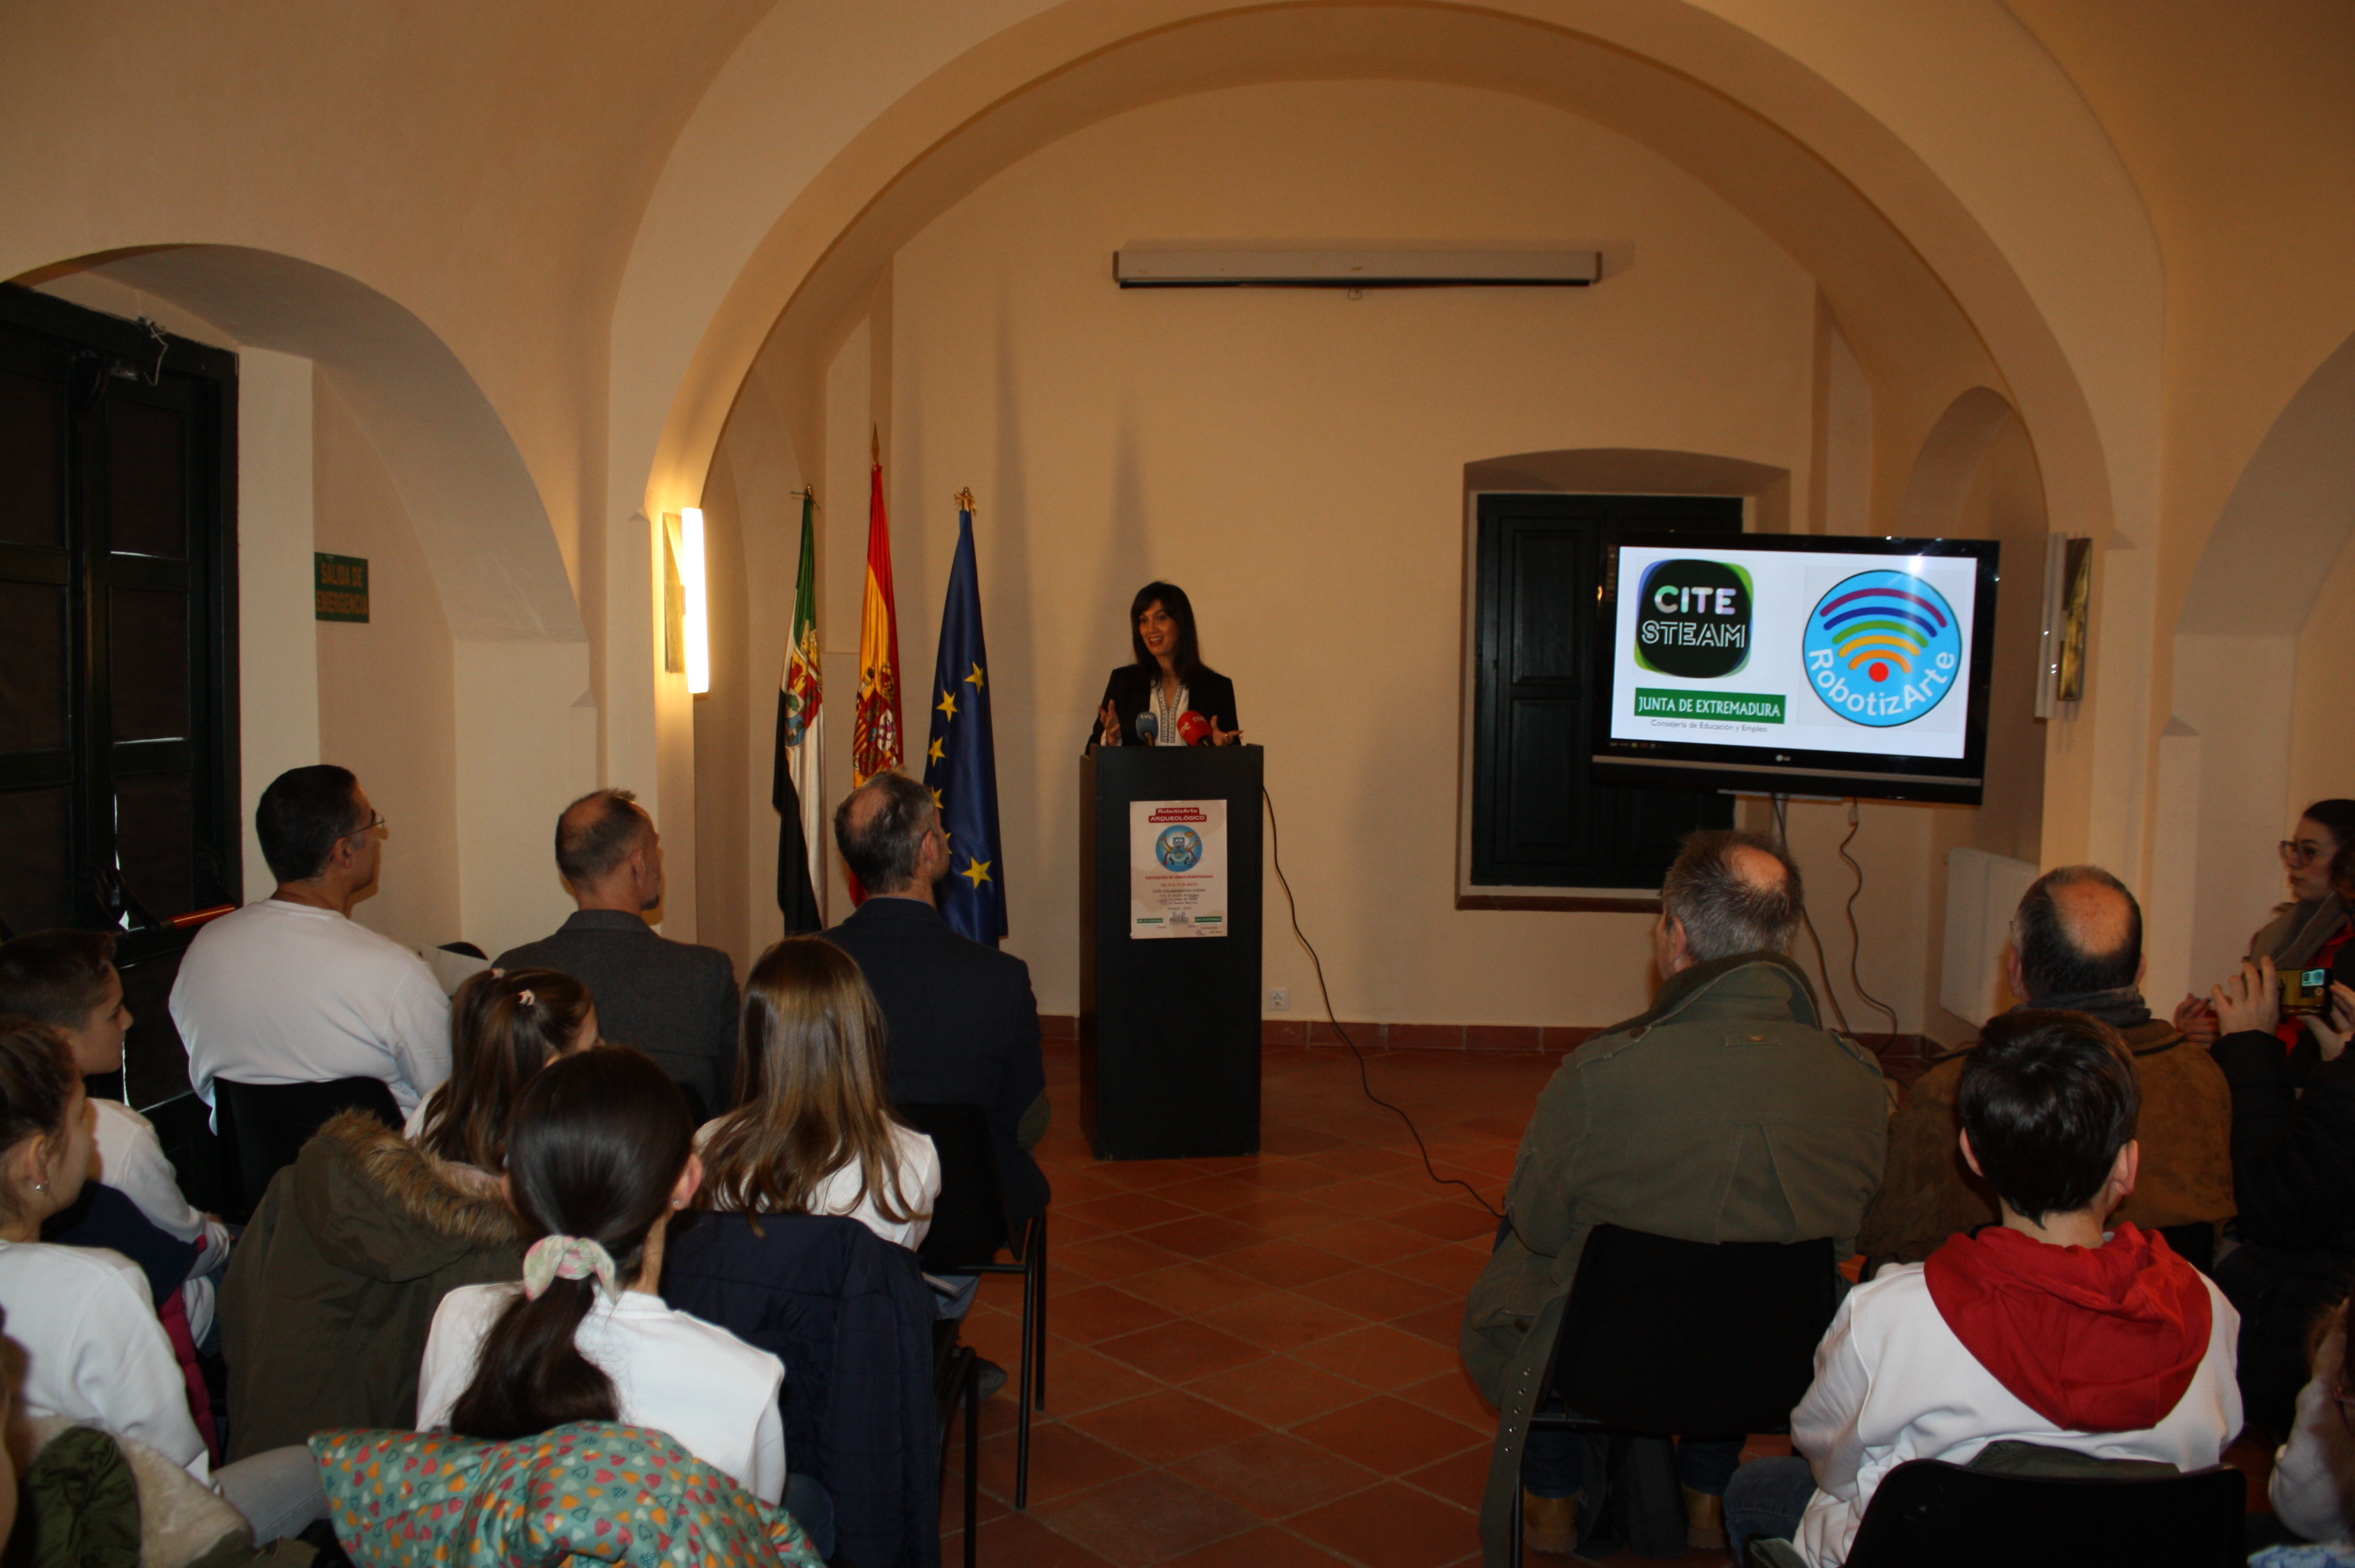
(695, 622)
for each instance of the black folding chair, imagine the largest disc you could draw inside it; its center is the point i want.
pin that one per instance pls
(970, 1227)
(1929, 1514)
(1664, 1338)
(956, 1384)
(266, 1125)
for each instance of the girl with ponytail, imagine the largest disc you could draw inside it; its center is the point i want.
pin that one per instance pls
(505, 1026)
(812, 1132)
(599, 1155)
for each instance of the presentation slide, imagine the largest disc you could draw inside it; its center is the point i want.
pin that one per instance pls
(1794, 650)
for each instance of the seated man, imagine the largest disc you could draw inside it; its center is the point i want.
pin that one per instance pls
(2039, 1330)
(1722, 1112)
(2077, 944)
(961, 1024)
(67, 979)
(672, 1001)
(289, 989)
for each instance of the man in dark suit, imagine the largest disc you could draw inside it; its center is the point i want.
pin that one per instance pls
(961, 1025)
(675, 1001)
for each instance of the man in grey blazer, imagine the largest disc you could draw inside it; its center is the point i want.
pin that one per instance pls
(672, 1001)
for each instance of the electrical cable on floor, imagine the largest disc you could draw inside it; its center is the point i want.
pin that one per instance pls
(1276, 859)
(1782, 805)
(1855, 939)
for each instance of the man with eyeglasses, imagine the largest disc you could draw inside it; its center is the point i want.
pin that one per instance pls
(289, 989)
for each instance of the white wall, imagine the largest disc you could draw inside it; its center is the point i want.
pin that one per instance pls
(277, 652)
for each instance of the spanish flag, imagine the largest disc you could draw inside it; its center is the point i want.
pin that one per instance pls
(875, 744)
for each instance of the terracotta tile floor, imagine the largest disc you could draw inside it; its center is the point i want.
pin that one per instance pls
(1252, 1361)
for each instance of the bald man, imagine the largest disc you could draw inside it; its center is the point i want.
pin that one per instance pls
(672, 1001)
(1724, 1112)
(2077, 944)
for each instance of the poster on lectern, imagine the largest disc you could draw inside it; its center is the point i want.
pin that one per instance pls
(1177, 869)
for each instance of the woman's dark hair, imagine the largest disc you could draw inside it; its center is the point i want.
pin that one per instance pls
(504, 1028)
(303, 813)
(2047, 1098)
(57, 976)
(37, 1079)
(2339, 816)
(596, 1147)
(1187, 658)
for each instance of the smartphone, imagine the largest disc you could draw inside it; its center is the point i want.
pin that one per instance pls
(2305, 990)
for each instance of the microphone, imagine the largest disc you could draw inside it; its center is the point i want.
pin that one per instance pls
(1193, 729)
(1147, 732)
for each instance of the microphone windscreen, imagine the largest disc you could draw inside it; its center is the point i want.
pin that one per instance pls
(1192, 727)
(1147, 729)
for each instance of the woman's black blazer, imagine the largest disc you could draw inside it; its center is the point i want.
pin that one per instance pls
(1130, 691)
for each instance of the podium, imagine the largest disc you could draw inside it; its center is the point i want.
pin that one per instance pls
(1169, 1023)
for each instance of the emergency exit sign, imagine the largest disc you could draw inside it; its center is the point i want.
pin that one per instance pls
(340, 585)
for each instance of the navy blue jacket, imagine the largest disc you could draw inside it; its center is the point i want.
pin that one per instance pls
(960, 1028)
(850, 1316)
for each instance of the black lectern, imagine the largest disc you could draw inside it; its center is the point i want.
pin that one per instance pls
(1168, 1012)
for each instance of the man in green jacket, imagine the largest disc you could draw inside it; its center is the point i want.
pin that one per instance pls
(1723, 1112)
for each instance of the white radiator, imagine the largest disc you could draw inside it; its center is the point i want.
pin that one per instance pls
(1982, 892)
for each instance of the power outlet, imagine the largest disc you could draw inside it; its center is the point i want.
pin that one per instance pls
(1279, 998)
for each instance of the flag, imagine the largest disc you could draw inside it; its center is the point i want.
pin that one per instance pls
(875, 744)
(794, 787)
(961, 763)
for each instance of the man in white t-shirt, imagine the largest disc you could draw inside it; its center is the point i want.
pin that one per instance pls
(289, 989)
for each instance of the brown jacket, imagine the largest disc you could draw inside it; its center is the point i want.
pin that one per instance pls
(333, 1286)
(1927, 1193)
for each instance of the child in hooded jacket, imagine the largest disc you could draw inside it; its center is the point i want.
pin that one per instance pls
(2042, 1329)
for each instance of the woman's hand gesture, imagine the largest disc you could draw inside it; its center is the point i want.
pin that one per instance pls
(1109, 719)
(1224, 737)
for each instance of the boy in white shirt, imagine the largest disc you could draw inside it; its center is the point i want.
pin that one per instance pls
(67, 979)
(2042, 1329)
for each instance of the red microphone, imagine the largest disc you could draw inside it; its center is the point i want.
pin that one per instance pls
(1193, 729)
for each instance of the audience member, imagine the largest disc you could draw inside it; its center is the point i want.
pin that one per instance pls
(672, 1000)
(2076, 946)
(2306, 933)
(353, 1248)
(291, 989)
(1722, 1112)
(2313, 1484)
(963, 1026)
(67, 979)
(94, 1350)
(505, 1026)
(813, 1131)
(600, 1153)
(2293, 1182)
(2042, 1330)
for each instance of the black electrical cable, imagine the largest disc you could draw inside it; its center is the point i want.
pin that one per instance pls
(1782, 804)
(1856, 938)
(1276, 859)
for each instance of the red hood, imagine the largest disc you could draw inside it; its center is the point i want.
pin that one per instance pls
(2092, 1339)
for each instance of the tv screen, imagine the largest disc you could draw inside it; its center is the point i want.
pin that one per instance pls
(1795, 664)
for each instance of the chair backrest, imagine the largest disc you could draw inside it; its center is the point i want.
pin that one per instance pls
(267, 1124)
(1927, 1514)
(969, 1222)
(850, 1316)
(1673, 1338)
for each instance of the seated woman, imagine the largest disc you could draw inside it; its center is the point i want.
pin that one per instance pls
(810, 1132)
(95, 1351)
(333, 1286)
(601, 1153)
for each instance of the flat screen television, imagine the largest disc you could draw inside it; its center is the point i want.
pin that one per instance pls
(1795, 664)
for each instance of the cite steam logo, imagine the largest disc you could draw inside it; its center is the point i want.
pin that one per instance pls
(1882, 648)
(1693, 619)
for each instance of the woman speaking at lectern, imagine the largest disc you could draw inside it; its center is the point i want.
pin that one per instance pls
(1168, 697)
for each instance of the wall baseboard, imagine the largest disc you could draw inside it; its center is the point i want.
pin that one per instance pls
(1554, 1039)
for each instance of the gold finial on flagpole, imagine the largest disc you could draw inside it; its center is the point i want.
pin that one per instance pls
(964, 498)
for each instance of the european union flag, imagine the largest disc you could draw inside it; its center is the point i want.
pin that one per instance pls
(961, 763)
